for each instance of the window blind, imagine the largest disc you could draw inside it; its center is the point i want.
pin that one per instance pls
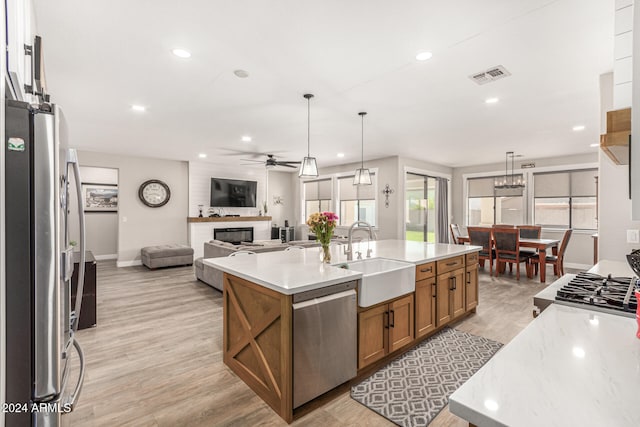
(348, 191)
(580, 183)
(317, 190)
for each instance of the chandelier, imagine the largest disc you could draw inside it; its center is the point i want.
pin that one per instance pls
(509, 180)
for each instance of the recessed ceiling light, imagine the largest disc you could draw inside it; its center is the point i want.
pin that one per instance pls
(139, 108)
(246, 139)
(202, 155)
(594, 145)
(578, 128)
(340, 154)
(491, 100)
(241, 73)
(181, 53)
(423, 56)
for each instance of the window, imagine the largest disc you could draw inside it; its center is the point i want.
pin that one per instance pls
(317, 196)
(357, 202)
(566, 199)
(420, 199)
(487, 205)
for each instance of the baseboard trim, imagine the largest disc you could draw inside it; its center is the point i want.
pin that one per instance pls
(129, 263)
(577, 266)
(105, 257)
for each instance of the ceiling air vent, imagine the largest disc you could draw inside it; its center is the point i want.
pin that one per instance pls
(487, 76)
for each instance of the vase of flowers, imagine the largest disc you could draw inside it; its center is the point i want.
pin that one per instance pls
(323, 224)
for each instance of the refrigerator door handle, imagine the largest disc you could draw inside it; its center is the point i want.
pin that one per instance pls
(73, 398)
(72, 158)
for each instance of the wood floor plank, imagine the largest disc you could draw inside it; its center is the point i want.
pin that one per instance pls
(155, 358)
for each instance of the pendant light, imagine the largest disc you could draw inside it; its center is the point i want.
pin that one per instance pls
(362, 177)
(509, 180)
(308, 167)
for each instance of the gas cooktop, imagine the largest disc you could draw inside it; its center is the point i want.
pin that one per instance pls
(610, 294)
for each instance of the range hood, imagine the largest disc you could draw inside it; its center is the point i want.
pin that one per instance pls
(615, 143)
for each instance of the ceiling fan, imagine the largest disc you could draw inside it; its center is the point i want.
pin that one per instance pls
(271, 162)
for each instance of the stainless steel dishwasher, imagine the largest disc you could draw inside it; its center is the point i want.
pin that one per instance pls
(325, 349)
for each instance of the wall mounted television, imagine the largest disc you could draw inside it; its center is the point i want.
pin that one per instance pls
(232, 193)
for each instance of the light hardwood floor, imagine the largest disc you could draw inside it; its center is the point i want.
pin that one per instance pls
(155, 358)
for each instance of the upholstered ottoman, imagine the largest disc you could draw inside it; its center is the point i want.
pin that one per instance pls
(166, 256)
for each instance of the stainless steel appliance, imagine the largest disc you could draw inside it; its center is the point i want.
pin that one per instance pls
(325, 339)
(607, 294)
(39, 263)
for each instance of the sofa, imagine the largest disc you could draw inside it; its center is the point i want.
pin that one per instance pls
(217, 249)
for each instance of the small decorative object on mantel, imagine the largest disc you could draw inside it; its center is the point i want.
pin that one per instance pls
(265, 207)
(200, 210)
(387, 192)
(323, 224)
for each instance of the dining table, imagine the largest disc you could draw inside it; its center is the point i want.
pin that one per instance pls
(540, 244)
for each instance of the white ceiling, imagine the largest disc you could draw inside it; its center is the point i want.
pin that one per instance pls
(102, 56)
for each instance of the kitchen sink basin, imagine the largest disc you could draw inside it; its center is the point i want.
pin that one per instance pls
(383, 279)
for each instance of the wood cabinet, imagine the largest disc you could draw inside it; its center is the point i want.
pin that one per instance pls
(450, 288)
(425, 306)
(615, 143)
(471, 287)
(384, 328)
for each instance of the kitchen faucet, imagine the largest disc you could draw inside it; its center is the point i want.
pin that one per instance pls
(352, 229)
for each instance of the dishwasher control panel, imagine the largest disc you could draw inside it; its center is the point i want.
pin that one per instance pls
(328, 290)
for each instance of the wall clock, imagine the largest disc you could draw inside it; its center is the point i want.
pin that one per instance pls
(154, 193)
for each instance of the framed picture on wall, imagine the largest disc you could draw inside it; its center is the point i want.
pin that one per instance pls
(100, 197)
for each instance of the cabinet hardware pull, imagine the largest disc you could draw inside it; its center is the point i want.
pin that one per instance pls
(392, 323)
(434, 290)
(425, 270)
(468, 277)
(455, 283)
(386, 320)
(449, 264)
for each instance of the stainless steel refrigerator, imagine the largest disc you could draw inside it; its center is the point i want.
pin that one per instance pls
(40, 320)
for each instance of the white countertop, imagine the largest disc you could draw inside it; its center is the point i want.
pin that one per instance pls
(291, 272)
(569, 367)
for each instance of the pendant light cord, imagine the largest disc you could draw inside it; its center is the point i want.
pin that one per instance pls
(309, 127)
(362, 139)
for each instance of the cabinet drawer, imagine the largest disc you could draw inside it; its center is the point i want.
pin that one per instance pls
(449, 264)
(424, 271)
(472, 258)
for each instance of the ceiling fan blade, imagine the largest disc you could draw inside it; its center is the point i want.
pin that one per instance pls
(286, 165)
(234, 152)
(251, 160)
(292, 162)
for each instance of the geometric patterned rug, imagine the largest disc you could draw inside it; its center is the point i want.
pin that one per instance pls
(413, 389)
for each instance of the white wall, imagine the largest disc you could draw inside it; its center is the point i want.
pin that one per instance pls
(138, 224)
(101, 227)
(616, 93)
(200, 174)
(635, 110)
(280, 185)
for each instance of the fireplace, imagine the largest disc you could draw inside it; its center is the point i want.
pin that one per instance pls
(234, 235)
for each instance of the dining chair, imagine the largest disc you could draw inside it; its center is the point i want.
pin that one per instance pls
(241, 252)
(503, 226)
(455, 233)
(556, 260)
(481, 236)
(530, 232)
(507, 241)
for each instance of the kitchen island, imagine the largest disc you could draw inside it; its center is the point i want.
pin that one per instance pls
(571, 366)
(260, 293)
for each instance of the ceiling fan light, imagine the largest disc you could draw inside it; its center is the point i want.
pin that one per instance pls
(362, 177)
(308, 168)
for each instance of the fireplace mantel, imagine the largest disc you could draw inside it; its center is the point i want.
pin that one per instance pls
(228, 218)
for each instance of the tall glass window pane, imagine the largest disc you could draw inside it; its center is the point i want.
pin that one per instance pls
(480, 211)
(552, 212)
(583, 213)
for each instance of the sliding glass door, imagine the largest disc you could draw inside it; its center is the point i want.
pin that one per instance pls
(420, 209)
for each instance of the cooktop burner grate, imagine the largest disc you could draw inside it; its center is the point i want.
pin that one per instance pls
(615, 293)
